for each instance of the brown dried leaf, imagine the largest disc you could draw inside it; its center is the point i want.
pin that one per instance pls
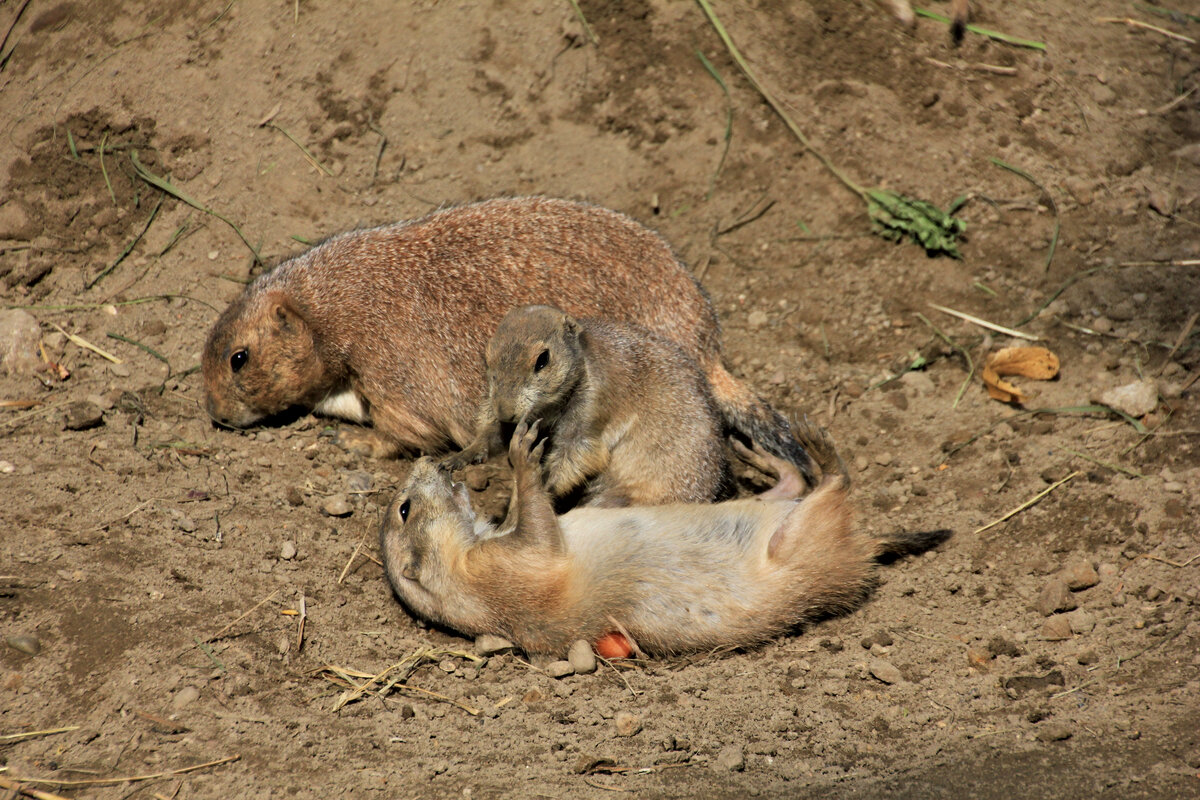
(1029, 362)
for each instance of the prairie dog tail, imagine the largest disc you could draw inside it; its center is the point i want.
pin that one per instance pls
(753, 417)
(958, 19)
(906, 543)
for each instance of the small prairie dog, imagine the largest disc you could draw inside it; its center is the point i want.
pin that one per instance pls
(629, 416)
(673, 578)
(388, 325)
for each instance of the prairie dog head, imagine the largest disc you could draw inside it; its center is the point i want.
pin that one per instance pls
(260, 359)
(424, 535)
(534, 362)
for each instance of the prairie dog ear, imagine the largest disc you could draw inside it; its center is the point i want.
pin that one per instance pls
(462, 498)
(410, 573)
(283, 313)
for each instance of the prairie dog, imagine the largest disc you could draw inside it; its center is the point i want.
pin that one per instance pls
(675, 578)
(388, 325)
(959, 11)
(630, 417)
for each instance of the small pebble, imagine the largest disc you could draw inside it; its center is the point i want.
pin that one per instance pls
(978, 659)
(627, 724)
(186, 524)
(295, 496)
(358, 481)
(1055, 474)
(582, 659)
(6, 467)
(1054, 732)
(732, 758)
(883, 459)
(1086, 657)
(120, 370)
(885, 671)
(879, 636)
(29, 645)
(1107, 571)
(1057, 628)
(288, 551)
(185, 696)
(861, 463)
(559, 669)
(448, 666)
(1081, 621)
(490, 645)
(1055, 597)
(82, 416)
(1079, 575)
(999, 646)
(337, 506)
(756, 320)
(1136, 399)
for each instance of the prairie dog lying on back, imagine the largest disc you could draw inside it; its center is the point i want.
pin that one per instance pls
(388, 325)
(674, 578)
(629, 416)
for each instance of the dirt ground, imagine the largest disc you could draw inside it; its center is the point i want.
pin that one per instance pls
(153, 564)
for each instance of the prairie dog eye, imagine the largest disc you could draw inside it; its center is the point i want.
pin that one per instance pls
(403, 511)
(542, 360)
(238, 359)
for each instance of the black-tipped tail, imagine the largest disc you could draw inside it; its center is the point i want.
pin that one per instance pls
(909, 543)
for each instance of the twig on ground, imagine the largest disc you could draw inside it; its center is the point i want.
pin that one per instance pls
(1053, 207)
(1028, 503)
(131, 778)
(1137, 23)
(994, 69)
(257, 606)
(712, 181)
(308, 156)
(86, 345)
(353, 555)
(1179, 564)
(1183, 335)
(983, 323)
(1114, 467)
(17, 789)
(17, 737)
(141, 346)
(128, 248)
(583, 21)
(999, 37)
(955, 346)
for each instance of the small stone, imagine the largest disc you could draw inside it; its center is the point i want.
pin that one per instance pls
(213, 254)
(756, 320)
(559, 669)
(877, 637)
(448, 666)
(1173, 486)
(1107, 571)
(1000, 646)
(1136, 399)
(1081, 621)
(978, 659)
(358, 481)
(861, 463)
(7, 467)
(919, 381)
(626, 724)
(185, 524)
(1054, 732)
(82, 415)
(288, 551)
(337, 506)
(1055, 474)
(732, 758)
(120, 370)
(852, 389)
(1055, 597)
(1080, 190)
(1086, 657)
(295, 496)
(185, 696)
(266, 437)
(1079, 575)
(1057, 628)
(1118, 599)
(582, 659)
(27, 644)
(885, 671)
(19, 336)
(883, 459)
(490, 645)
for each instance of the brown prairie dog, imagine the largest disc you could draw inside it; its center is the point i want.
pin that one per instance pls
(389, 325)
(629, 415)
(675, 578)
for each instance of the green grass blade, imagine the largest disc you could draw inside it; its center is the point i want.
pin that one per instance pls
(999, 37)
